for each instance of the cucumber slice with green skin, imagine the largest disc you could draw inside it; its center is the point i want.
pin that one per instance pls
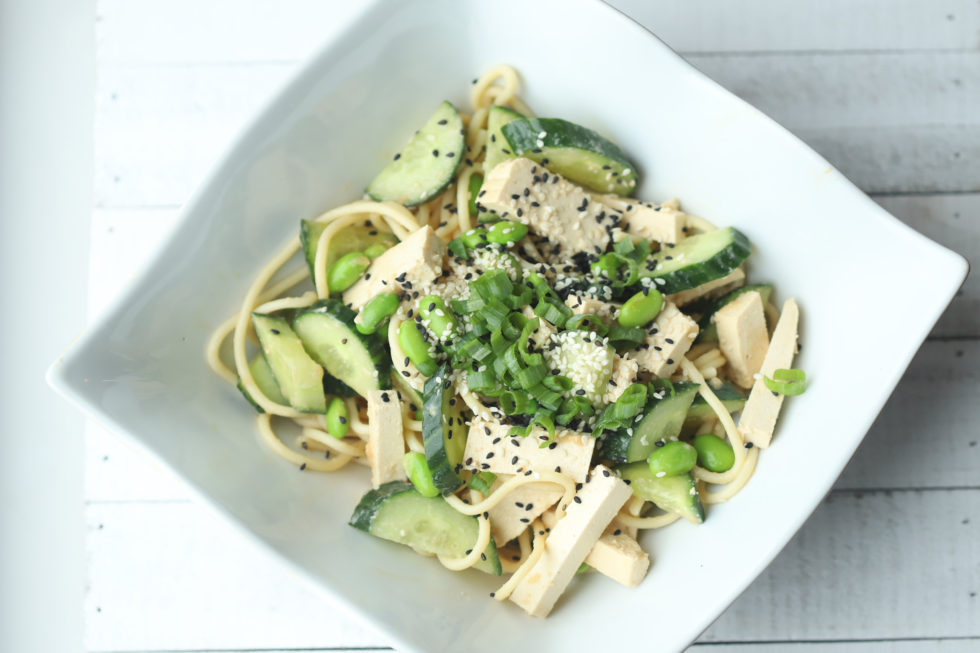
(662, 420)
(397, 512)
(427, 164)
(708, 331)
(355, 238)
(697, 260)
(358, 360)
(676, 494)
(299, 377)
(443, 431)
(573, 151)
(498, 150)
(336, 387)
(728, 394)
(266, 380)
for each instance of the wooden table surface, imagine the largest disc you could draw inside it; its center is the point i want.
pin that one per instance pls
(887, 90)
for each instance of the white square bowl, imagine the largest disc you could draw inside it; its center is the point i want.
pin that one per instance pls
(869, 287)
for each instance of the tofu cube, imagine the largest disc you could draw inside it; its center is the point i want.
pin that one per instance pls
(524, 191)
(742, 336)
(571, 540)
(489, 448)
(662, 223)
(758, 419)
(618, 555)
(523, 505)
(623, 372)
(413, 263)
(584, 304)
(671, 335)
(385, 447)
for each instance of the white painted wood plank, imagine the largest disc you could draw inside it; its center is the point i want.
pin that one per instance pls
(885, 565)
(808, 25)
(953, 221)
(891, 122)
(881, 565)
(184, 31)
(927, 434)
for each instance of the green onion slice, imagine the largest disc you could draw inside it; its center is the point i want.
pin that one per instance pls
(789, 382)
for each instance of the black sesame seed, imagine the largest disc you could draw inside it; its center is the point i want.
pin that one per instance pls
(398, 156)
(577, 499)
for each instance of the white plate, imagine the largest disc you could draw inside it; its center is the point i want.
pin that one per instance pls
(870, 290)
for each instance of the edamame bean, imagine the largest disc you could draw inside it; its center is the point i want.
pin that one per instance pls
(336, 418)
(506, 232)
(441, 322)
(416, 348)
(474, 237)
(641, 308)
(346, 271)
(714, 454)
(672, 459)
(376, 312)
(375, 250)
(419, 473)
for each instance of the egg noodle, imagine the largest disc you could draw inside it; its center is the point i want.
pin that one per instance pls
(314, 449)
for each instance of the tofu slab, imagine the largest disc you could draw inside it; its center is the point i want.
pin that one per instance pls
(758, 419)
(514, 514)
(571, 540)
(488, 448)
(742, 336)
(672, 334)
(521, 190)
(419, 258)
(385, 447)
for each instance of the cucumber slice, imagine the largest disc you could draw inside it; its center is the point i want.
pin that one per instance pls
(264, 378)
(358, 360)
(572, 151)
(397, 512)
(708, 331)
(662, 420)
(697, 260)
(675, 494)
(298, 376)
(497, 147)
(729, 395)
(355, 238)
(427, 164)
(443, 431)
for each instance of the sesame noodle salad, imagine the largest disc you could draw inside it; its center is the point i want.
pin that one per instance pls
(532, 364)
